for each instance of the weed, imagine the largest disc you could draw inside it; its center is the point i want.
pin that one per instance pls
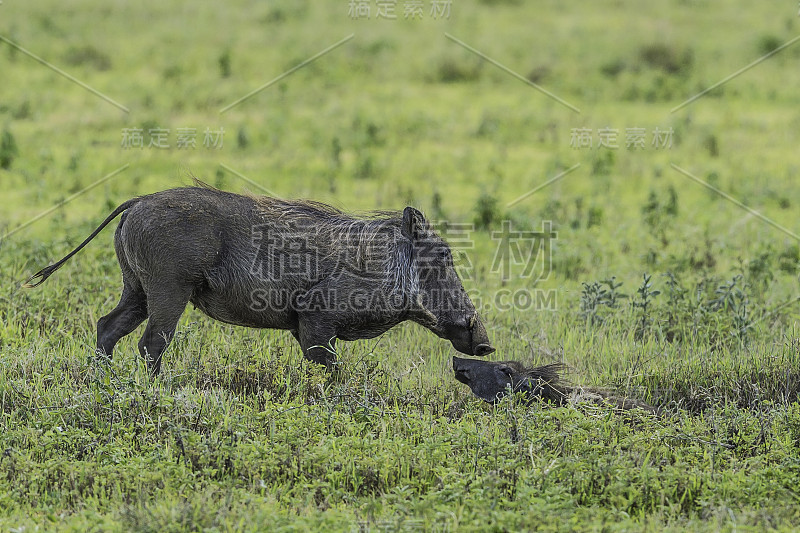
(219, 179)
(335, 164)
(88, 56)
(437, 210)
(730, 297)
(452, 70)
(659, 213)
(538, 74)
(242, 138)
(23, 111)
(768, 44)
(666, 58)
(613, 68)
(646, 294)
(712, 145)
(365, 168)
(789, 259)
(597, 296)
(224, 64)
(8, 149)
(487, 212)
(603, 163)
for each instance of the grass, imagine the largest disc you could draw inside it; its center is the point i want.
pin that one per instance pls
(663, 289)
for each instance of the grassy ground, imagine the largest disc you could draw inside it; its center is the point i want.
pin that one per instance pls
(663, 288)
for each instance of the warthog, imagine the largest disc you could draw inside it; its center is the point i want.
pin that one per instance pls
(262, 262)
(491, 380)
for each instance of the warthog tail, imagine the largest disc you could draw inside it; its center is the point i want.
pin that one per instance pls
(45, 273)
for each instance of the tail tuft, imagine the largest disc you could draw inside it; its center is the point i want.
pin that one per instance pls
(43, 274)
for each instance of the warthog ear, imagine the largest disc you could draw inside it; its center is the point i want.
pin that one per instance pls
(505, 369)
(413, 223)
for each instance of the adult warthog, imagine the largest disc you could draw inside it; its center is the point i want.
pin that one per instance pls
(268, 263)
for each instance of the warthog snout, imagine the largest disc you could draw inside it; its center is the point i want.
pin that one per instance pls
(482, 350)
(469, 336)
(480, 339)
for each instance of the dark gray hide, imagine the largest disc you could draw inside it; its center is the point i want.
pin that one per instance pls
(268, 263)
(491, 380)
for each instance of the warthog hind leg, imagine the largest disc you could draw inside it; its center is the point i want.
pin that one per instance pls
(165, 306)
(126, 317)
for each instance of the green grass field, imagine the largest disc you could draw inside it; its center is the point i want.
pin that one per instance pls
(673, 277)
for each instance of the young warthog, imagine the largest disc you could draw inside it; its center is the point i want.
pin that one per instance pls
(491, 380)
(268, 263)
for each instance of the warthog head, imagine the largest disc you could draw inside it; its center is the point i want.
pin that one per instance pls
(490, 380)
(442, 305)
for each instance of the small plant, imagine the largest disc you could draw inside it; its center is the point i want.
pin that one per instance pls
(666, 58)
(23, 111)
(74, 161)
(595, 216)
(335, 163)
(727, 295)
(712, 145)
(643, 303)
(603, 163)
(613, 68)
(759, 269)
(731, 298)
(365, 168)
(676, 307)
(336, 153)
(219, 179)
(8, 149)
(436, 207)
(487, 211)
(659, 212)
(89, 56)
(598, 295)
(450, 70)
(768, 44)
(242, 138)
(789, 259)
(224, 63)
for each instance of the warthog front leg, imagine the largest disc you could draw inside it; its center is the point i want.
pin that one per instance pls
(317, 338)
